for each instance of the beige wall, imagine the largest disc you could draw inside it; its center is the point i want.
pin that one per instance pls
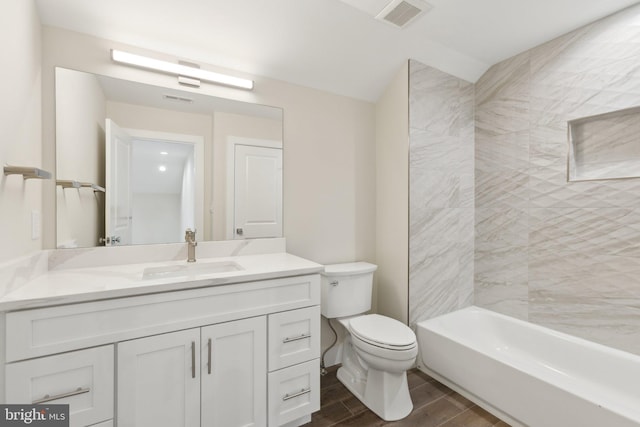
(392, 191)
(20, 125)
(329, 177)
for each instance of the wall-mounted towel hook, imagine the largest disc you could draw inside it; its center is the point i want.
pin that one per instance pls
(27, 172)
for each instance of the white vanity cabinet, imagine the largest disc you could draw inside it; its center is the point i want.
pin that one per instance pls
(243, 354)
(217, 372)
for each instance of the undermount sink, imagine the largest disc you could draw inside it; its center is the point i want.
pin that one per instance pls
(191, 269)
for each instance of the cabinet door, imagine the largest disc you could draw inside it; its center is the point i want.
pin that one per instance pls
(159, 381)
(234, 373)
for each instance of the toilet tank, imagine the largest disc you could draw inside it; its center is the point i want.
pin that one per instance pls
(346, 289)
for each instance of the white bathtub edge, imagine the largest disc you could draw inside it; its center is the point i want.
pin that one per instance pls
(438, 328)
(472, 397)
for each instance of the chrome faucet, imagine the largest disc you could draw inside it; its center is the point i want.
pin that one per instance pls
(190, 238)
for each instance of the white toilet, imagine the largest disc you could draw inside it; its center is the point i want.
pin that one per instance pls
(378, 350)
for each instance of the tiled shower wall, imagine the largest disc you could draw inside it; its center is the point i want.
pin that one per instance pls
(441, 195)
(561, 254)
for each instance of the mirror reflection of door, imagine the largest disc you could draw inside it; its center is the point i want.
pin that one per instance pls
(151, 191)
(257, 188)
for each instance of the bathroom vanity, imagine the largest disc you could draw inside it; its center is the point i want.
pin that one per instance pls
(165, 344)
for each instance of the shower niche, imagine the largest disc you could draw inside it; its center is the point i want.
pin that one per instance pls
(605, 146)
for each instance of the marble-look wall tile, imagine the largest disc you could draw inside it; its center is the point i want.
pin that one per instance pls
(434, 100)
(562, 254)
(589, 71)
(501, 188)
(434, 189)
(502, 97)
(506, 152)
(550, 188)
(432, 151)
(501, 253)
(441, 192)
(467, 146)
(466, 261)
(501, 168)
(433, 279)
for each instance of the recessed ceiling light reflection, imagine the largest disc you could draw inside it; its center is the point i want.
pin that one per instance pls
(164, 153)
(162, 168)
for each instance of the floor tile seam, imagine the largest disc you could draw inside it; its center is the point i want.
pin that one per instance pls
(462, 411)
(447, 392)
(430, 402)
(353, 414)
(430, 381)
(347, 417)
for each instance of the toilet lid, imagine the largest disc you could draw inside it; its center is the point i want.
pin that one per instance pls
(383, 331)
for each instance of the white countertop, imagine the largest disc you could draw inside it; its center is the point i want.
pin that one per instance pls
(76, 285)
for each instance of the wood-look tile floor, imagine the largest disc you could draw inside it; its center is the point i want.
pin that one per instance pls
(434, 405)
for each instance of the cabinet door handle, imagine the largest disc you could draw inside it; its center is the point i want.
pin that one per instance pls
(48, 398)
(296, 394)
(209, 356)
(299, 337)
(193, 359)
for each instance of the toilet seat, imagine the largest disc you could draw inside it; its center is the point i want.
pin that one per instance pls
(383, 332)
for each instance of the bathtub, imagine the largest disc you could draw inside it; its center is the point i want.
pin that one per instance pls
(529, 375)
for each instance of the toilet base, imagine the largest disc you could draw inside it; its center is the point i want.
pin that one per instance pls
(384, 393)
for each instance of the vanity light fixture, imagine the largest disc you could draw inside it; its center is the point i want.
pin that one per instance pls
(179, 69)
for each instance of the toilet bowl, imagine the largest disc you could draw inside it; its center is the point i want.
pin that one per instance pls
(377, 350)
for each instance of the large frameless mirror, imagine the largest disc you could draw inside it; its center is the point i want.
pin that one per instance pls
(138, 164)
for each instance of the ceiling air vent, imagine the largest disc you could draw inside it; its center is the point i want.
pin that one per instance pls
(177, 98)
(402, 12)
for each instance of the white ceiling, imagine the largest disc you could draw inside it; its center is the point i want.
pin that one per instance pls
(146, 158)
(328, 44)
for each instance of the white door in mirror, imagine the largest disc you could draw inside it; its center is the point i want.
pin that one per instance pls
(257, 192)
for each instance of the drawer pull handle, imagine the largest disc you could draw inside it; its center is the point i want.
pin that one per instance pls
(48, 398)
(299, 337)
(209, 356)
(296, 394)
(193, 359)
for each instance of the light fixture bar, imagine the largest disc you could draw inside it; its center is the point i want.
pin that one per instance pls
(178, 69)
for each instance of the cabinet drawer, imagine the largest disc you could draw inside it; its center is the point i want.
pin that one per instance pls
(83, 379)
(294, 392)
(294, 337)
